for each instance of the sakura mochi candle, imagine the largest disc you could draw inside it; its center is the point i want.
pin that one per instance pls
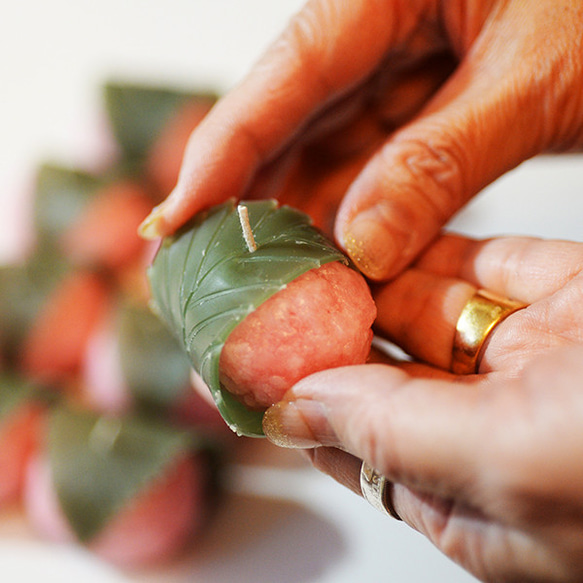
(259, 298)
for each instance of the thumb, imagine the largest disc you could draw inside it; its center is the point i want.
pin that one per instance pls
(500, 107)
(400, 425)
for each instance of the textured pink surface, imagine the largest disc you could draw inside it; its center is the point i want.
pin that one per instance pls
(320, 320)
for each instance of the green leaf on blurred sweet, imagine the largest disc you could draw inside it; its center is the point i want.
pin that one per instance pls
(23, 290)
(154, 365)
(14, 392)
(204, 281)
(61, 194)
(100, 463)
(60, 197)
(138, 113)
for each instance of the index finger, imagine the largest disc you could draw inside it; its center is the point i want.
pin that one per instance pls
(327, 49)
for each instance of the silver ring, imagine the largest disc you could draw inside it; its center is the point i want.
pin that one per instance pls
(374, 488)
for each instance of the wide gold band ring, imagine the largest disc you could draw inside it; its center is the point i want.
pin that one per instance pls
(483, 312)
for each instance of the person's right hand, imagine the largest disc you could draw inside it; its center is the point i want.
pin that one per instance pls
(410, 107)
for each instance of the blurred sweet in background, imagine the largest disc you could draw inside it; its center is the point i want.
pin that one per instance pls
(103, 440)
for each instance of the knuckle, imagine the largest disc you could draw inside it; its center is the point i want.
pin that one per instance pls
(437, 170)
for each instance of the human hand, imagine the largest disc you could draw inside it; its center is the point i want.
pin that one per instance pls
(409, 108)
(487, 466)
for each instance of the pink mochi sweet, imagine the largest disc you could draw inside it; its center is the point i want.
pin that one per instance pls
(19, 436)
(151, 530)
(320, 320)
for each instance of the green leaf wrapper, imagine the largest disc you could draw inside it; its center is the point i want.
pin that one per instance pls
(153, 363)
(23, 291)
(138, 114)
(204, 281)
(61, 196)
(100, 463)
(14, 392)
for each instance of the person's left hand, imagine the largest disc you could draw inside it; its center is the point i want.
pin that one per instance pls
(488, 465)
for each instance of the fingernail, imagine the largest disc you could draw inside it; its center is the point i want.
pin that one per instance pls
(152, 226)
(370, 245)
(298, 424)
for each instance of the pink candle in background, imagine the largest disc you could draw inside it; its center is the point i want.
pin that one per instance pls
(152, 529)
(19, 438)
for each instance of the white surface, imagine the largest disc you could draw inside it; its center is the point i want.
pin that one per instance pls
(283, 524)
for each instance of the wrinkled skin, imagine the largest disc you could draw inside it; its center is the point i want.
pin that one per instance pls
(398, 111)
(487, 466)
(149, 531)
(395, 113)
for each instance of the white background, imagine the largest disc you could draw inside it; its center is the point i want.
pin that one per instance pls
(282, 522)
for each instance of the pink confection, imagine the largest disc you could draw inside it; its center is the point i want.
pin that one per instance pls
(106, 233)
(104, 386)
(152, 529)
(19, 435)
(320, 320)
(55, 346)
(165, 158)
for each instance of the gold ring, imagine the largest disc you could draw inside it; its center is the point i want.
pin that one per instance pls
(375, 490)
(483, 312)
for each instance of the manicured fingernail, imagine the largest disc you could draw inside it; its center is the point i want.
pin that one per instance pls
(370, 245)
(152, 226)
(298, 424)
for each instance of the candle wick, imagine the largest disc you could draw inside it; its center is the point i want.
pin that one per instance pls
(246, 227)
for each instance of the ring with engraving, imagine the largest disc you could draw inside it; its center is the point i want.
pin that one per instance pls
(376, 490)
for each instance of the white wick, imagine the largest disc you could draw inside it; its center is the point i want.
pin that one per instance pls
(246, 227)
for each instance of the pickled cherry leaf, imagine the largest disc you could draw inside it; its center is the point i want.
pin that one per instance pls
(14, 392)
(24, 289)
(138, 113)
(61, 195)
(204, 281)
(153, 363)
(100, 463)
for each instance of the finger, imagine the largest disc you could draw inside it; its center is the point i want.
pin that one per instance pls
(388, 353)
(391, 98)
(341, 141)
(338, 464)
(481, 544)
(324, 50)
(457, 145)
(523, 268)
(400, 425)
(405, 93)
(316, 186)
(419, 310)
(443, 443)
